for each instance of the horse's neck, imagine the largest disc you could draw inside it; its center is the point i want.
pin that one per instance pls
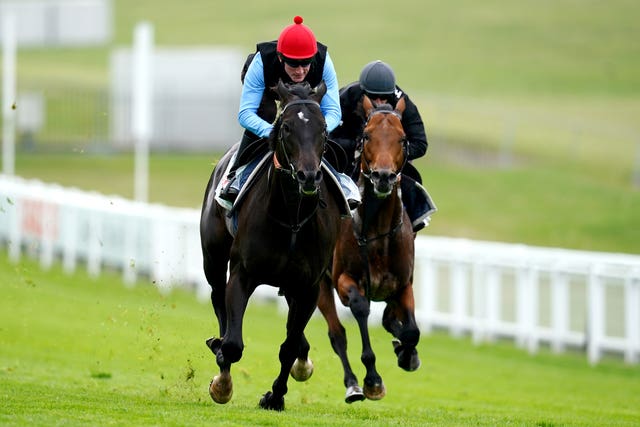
(379, 215)
(285, 202)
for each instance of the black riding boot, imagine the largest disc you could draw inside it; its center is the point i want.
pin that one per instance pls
(417, 202)
(249, 146)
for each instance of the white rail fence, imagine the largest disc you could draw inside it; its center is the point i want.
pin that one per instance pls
(535, 296)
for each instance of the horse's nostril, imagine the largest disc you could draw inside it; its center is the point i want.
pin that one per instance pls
(301, 176)
(393, 177)
(318, 176)
(375, 175)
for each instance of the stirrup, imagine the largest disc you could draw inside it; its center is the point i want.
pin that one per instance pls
(228, 190)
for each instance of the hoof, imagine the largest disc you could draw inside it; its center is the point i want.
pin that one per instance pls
(375, 391)
(301, 369)
(414, 362)
(271, 403)
(354, 394)
(221, 388)
(407, 357)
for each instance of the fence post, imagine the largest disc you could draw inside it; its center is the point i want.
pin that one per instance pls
(493, 302)
(632, 316)
(428, 278)
(129, 268)
(70, 229)
(458, 297)
(527, 315)
(595, 315)
(94, 256)
(479, 302)
(560, 309)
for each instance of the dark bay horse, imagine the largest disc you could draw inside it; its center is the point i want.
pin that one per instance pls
(287, 227)
(374, 256)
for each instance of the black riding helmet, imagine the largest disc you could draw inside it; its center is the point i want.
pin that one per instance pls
(378, 78)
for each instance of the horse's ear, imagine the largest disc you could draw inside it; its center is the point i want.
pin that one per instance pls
(367, 105)
(281, 90)
(319, 91)
(400, 106)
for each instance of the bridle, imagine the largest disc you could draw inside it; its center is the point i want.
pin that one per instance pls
(290, 167)
(366, 171)
(294, 224)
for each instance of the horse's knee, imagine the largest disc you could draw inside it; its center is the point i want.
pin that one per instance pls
(359, 305)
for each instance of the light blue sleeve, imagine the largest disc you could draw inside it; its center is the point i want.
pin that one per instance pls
(252, 91)
(330, 103)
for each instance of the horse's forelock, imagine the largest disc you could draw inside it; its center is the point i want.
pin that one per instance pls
(383, 107)
(302, 90)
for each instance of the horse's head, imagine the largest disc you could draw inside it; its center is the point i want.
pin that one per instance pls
(384, 146)
(300, 134)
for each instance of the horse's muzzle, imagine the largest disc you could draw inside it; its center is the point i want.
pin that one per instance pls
(309, 181)
(383, 181)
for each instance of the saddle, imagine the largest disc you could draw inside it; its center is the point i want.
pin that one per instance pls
(248, 175)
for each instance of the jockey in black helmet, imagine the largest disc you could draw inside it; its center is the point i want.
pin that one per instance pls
(378, 82)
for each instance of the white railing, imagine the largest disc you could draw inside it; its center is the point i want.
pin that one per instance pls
(535, 296)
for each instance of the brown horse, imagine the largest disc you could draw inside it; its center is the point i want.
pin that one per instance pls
(287, 227)
(374, 256)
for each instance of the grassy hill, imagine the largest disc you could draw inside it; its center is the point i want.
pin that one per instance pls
(531, 107)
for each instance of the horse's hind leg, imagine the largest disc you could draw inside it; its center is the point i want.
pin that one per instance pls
(338, 339)
(399, 319)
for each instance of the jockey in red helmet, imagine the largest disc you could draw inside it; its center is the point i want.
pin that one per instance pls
(295, 57)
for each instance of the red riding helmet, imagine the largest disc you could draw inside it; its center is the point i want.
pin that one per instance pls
(297, 41)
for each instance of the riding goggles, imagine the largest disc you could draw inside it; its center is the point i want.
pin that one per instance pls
(295, 63)
(383, 96)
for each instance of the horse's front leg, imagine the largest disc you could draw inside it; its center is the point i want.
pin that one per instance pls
(302, 367)
(301, 307)
(338, 339)
(229, 348)
(359, 304)
(399, 320)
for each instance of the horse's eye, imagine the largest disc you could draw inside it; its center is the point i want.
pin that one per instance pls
(365, 137)
(285, 127)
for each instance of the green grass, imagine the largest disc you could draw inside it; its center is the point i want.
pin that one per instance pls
(83, 351)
